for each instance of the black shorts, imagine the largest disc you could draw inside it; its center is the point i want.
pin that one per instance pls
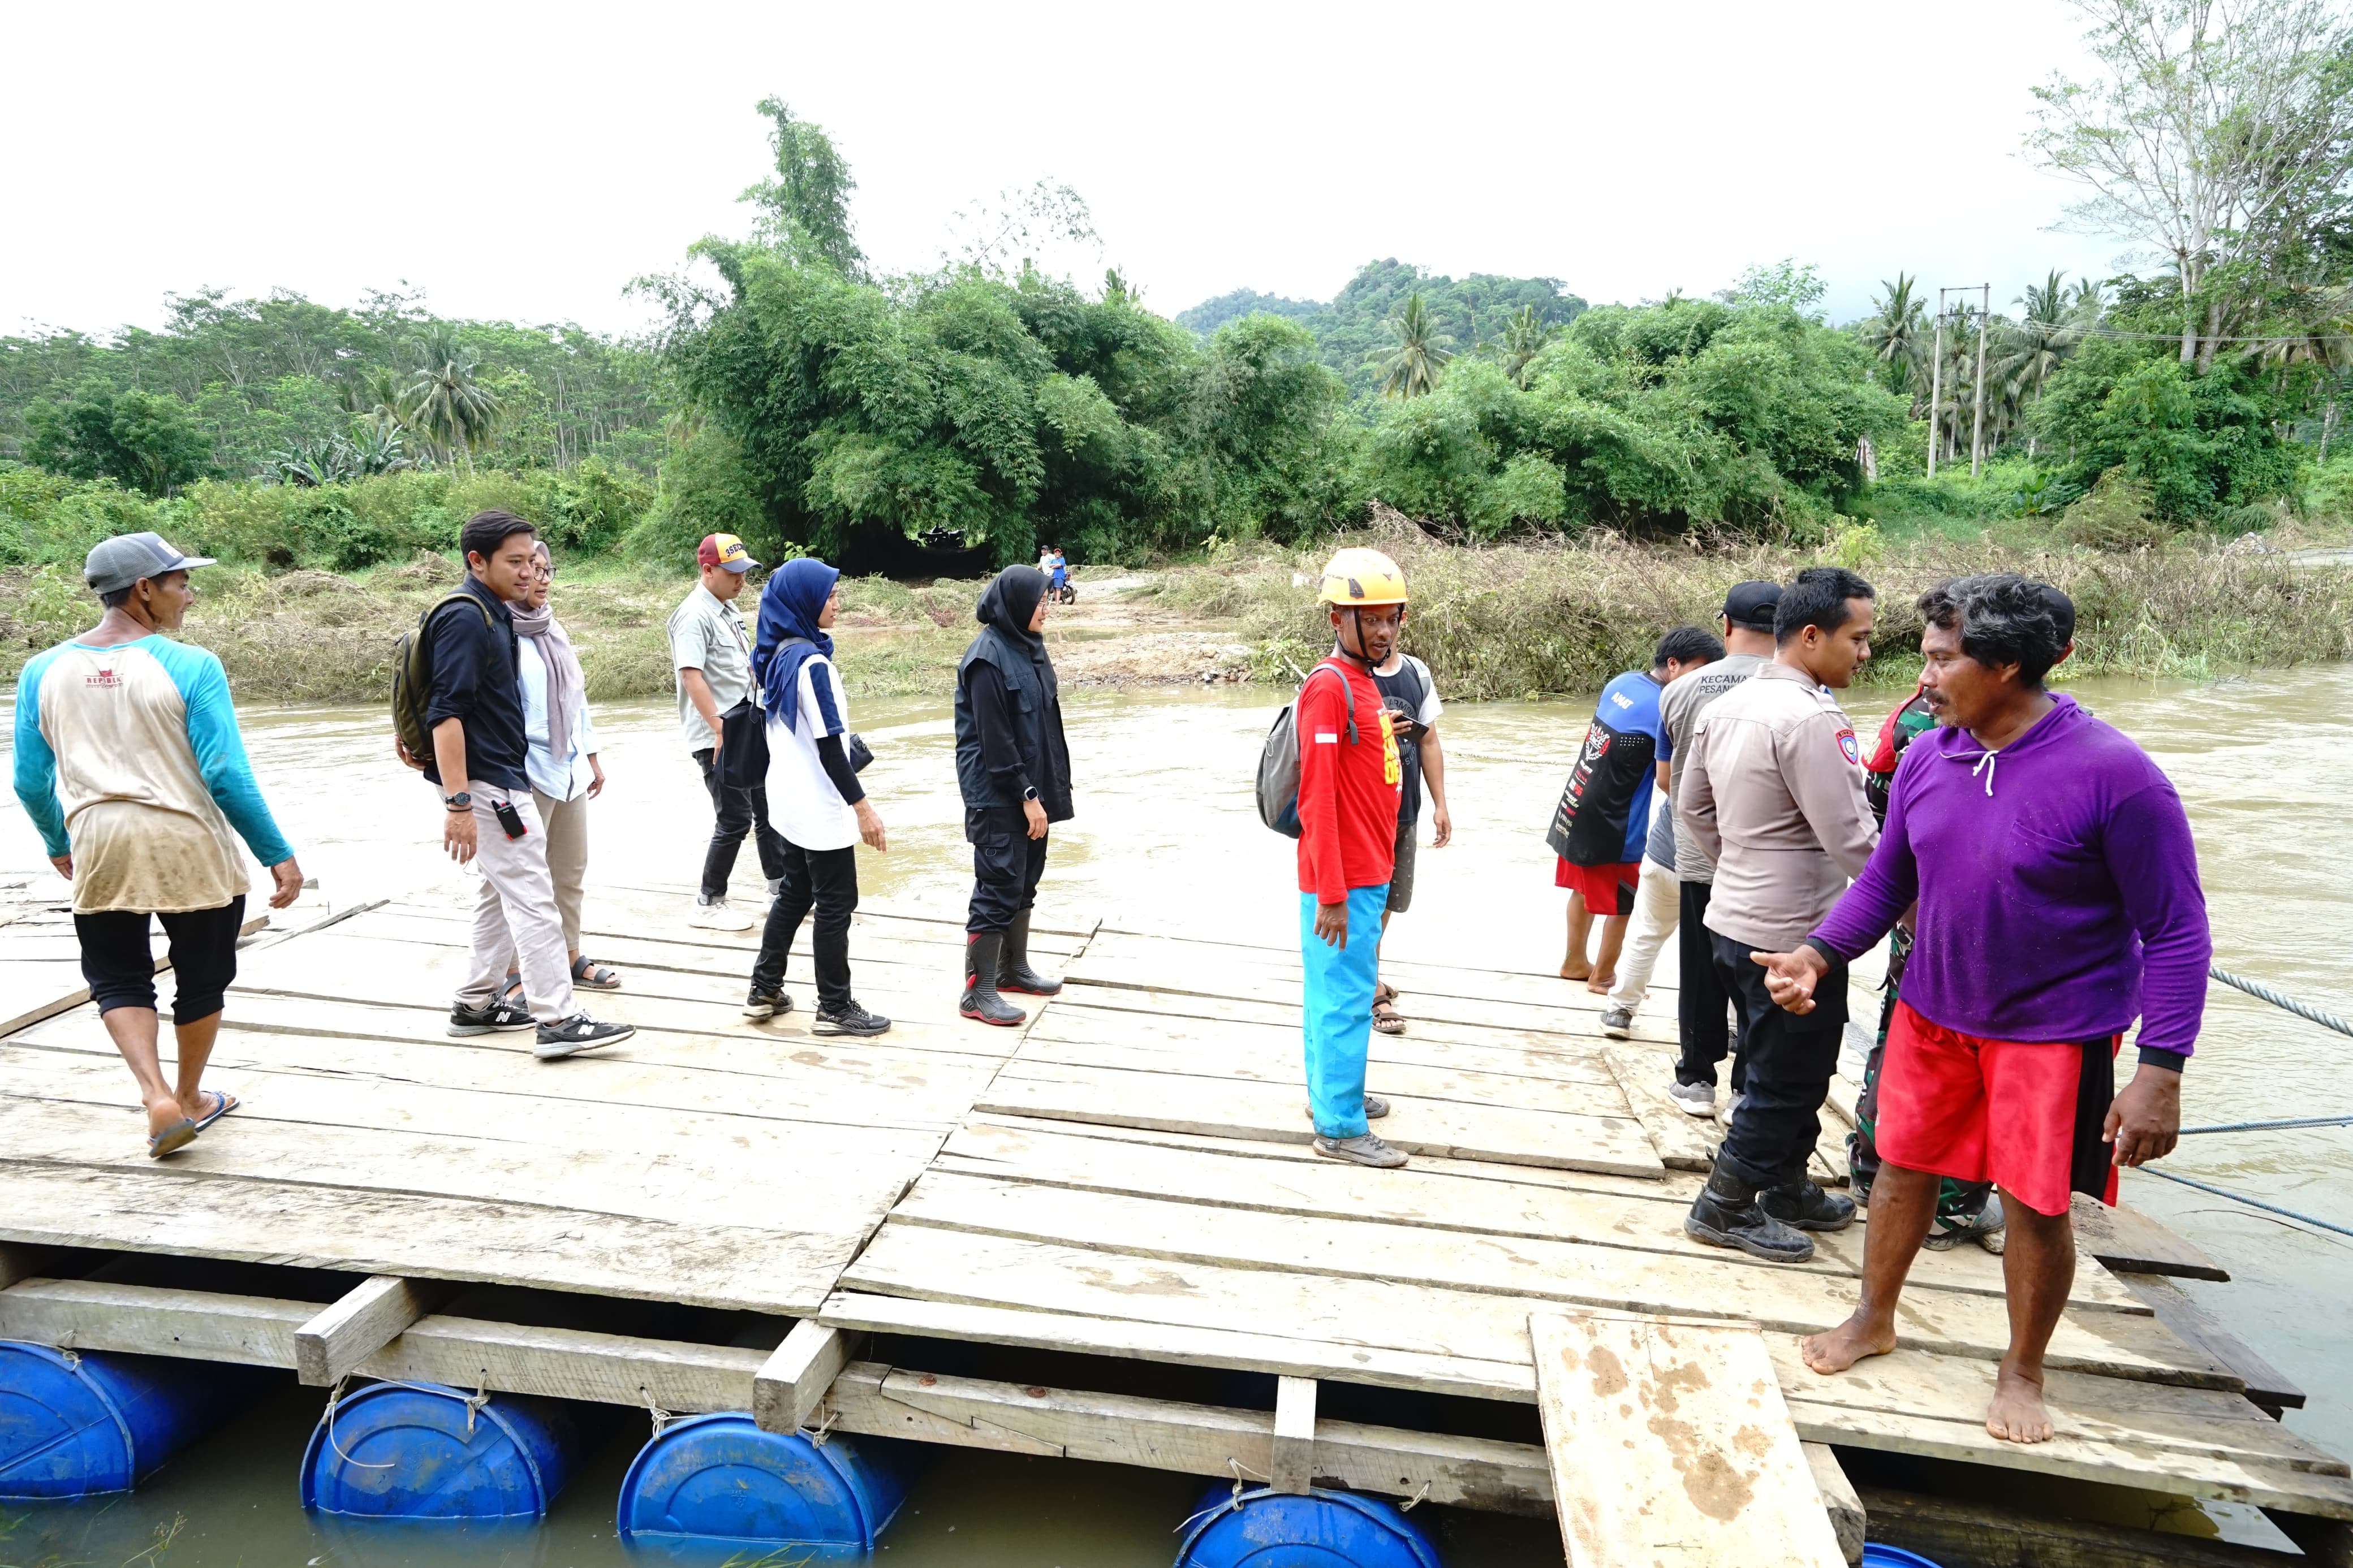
(120, 966)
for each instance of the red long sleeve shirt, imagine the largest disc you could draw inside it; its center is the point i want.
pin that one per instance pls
(1349, 796)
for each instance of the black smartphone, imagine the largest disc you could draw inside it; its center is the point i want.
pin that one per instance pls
(509, 818)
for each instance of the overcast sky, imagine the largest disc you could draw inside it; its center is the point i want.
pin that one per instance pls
(526, 159)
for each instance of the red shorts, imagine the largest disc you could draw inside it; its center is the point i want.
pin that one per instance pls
(1608, 890)
(2023, 1115)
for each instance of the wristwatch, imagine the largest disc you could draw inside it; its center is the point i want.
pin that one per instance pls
(461, 801)
(1029, 794)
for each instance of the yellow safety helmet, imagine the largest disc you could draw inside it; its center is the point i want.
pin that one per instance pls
(1360, 576)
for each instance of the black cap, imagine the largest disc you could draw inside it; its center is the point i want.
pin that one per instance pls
(1750, 606)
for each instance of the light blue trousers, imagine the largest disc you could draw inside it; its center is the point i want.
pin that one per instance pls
(1337, 1010)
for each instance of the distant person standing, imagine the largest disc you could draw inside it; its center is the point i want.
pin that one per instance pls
(1700, 1002)
(1013, 768)
(821, 810)
(1603, 822)
(1683, 654)
(1349, 781)
(130, 764)
(560, 758)
(713, 654)
(1772, 794)
(1411, 697)
(474, 711)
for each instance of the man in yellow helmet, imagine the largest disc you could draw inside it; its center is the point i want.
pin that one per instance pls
(1349, 782)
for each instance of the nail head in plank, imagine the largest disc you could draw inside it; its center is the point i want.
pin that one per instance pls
(369, 1317)
(1293, 1466)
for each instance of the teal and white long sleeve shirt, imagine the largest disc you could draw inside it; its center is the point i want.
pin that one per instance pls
(128, 759)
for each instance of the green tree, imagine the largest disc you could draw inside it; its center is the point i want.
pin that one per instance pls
(445, 402)
(808, 203)
(1897, 333)
(143, 440)
(1411, 368)
(1525, 333)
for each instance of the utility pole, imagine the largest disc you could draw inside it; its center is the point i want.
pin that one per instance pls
(1937, 385)
(1976, 429)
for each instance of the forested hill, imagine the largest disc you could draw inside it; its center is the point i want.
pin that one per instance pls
(1354, 327)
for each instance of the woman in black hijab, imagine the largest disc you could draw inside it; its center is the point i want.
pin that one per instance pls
(1014, 768)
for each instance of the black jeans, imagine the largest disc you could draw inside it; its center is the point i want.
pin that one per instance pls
(826, 881)
(121, 968)
(1700, 1004)
(1006, 864)
(736, 812)
(1789, 1060)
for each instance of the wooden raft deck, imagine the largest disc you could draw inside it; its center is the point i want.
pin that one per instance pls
(1128, 1176)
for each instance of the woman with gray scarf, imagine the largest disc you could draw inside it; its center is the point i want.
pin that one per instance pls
(561, 759)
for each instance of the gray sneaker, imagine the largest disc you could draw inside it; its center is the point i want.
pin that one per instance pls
(1694, 1098)
(1374, 1109)
(1732, 1108)
(576, 1034)
(1365, 1149)
(1618, 1023)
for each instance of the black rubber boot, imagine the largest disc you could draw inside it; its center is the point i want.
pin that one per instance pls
(1013, 971)
(1727, 1214)
(1807, 1207)
(983, 953)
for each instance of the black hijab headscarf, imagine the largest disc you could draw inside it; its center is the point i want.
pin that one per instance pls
(1007, 603)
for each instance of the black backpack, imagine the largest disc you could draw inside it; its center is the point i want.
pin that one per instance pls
(412, 678)
(1278, 763)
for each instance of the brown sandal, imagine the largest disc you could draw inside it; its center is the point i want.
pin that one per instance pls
(1386, 1020)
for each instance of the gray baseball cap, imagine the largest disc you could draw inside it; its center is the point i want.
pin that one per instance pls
(118, 563)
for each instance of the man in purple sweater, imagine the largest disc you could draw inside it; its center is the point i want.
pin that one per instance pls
(2058, 900)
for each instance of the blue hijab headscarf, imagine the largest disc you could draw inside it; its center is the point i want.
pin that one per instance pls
(789, 607)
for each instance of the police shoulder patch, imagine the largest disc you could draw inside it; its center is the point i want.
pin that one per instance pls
(1848, 744)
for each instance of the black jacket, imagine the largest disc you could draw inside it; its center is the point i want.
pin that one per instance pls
(1008, 726)
(475, 681)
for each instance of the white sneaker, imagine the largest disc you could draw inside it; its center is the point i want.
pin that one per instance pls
(1732, 1108)
(716, 916)
(1694, 1098)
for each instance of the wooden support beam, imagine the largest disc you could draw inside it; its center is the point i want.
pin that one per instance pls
(369, 1317)
(2327, 1542)
(1988, 1536)
(147, 1320)
(794, 1378)
(1293, 1465)
(1848, 1518)
(18, 1261)
(571, 1364)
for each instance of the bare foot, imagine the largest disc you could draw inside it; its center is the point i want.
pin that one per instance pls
(2017, 1413)
(1574, 969)
(164, 1113)
(1848, 1344)
(1602, 984)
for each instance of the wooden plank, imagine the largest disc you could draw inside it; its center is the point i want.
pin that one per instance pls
(571, 1364)
(2268, 1386)
(1224, 1108)
(1684, 1143)
(2129, 1242)
(1192, 1439)
(797, 1373)
(194, 1325)
(1292, 1465)
(1072, 1023)
(1987, 1535)
(1278, 1003)
(1850, 1521)
(369, 1316)
(1611, 1211)
(1671, 1445)
(1347, 1305)
(1584, 1087)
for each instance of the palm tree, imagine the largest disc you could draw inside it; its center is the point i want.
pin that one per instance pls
(1411, 369)
(2324, 339)
(1898, 336)
(1524, 336)
(2046, 333)
(443, 402)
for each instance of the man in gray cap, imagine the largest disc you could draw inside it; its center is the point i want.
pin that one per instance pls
(130, 764)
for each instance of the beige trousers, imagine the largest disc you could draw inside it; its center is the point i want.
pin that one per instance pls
(514, 914)
(568, 858)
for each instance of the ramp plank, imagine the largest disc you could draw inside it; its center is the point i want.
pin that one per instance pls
(1670, 1447)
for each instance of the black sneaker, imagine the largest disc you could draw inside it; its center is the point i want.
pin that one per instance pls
(766, 1003)
(850, 1018)
(1807, 1207)
(578, 1033)
(497, 1017)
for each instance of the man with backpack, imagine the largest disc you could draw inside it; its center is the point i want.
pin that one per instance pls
(469, 707)
(1349, 788)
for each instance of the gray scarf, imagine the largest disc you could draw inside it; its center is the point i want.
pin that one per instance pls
(566, 688)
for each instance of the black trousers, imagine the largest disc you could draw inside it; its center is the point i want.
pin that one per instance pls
(1789, 1061)
(824, 880)
(736, 812)
(121, 968)
(1006, 866)
(1700, 1004)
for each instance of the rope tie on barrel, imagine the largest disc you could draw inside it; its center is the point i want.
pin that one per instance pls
(818, 1435)
(1421, 1497)
(335, 1397)
(661, 1417)
(476, 1400)
(1238, 1468)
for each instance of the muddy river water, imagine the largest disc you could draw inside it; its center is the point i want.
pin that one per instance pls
(1167, 837)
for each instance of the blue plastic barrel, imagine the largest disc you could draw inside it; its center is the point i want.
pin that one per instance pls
(1877, 1556)
(75, 1424)
(409, 1450)
(1267, 1528)
(715, 1481)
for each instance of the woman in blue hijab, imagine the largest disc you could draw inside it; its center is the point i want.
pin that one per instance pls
(815, 801)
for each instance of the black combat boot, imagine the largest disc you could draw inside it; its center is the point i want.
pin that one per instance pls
(983, 952)
(1013, 971)
(1803, 1204)
(1727, 1214)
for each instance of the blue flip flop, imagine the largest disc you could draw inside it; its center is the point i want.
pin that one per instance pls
(172, 1140)
(227, 1102)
